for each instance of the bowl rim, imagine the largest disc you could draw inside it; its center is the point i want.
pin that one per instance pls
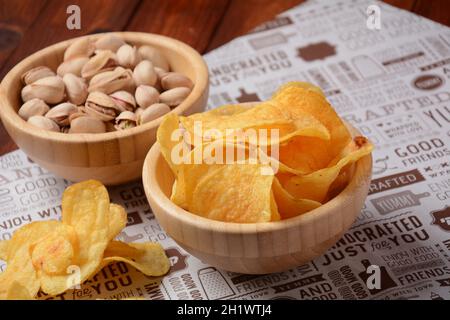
(362, 172)
(8, 113)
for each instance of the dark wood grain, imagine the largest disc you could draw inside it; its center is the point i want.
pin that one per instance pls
(242, 16)
(436, 10)
(15, 19)
(191, 21)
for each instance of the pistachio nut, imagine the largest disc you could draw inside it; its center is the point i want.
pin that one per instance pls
(146, 95)
(80, 113)
(138, 112)
(173, 80)
(33, 107)
(175, 96)
(160, 73)
(124, 100)
(144, 74)
(128, 56)
(36, 73)
(49, 89)
(73, 66)
(109, 42)
(153, 112)
(61, 113)
(87, 124)
(76, 89)
(125, 120)
(101, 106)
(43, 123)
(104, 60)
(110, 81)
(82, 47)
(155, 56)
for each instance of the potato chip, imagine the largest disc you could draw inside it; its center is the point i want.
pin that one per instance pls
(297, 100)
(274, 213)
(4, 250)
(315, 185)
(149, 258)
(167, 143)
(234, 193)
(117, 220)
(16, 291)
(264, 115)
(288, 206)
(85, 207)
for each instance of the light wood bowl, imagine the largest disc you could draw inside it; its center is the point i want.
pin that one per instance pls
(257, 248)
(112, 157)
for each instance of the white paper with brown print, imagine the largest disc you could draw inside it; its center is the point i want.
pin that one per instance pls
(387, 72)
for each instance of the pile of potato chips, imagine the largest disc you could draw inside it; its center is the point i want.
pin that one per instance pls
(313, 152)
(54, 256)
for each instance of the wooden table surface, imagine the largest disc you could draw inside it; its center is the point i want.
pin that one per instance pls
(29, 25)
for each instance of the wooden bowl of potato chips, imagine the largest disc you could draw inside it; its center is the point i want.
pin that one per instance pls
(259, 214)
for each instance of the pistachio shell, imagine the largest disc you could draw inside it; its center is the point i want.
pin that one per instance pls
(173, 80)
(61, 113)
(101, 106)
(36, 73)
(73, 66)
(146, 95)
(110, 81)
(125, 120)
(153, 112)
(128, 56)
(87, 124)
(43, 123)
(124, 100)
(144, 74)
(82, 47)
(76, 88)
(160, 73)
(155, 56)
(109, 42)
(138, 112)
(103, 61)
(174, 97)
(33, 107)
(49, 89)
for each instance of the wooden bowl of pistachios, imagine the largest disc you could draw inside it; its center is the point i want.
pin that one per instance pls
(89, 107)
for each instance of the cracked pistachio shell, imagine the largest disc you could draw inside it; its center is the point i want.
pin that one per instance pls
(36, 73)
(155, 56)
(110, 81)
(146, 96)
(124, 100)
(125, 120)
(61, 113)
(101, 106)
(138, 112)
(43, 123)
(175, 96)
(153, 112)
(76, 89)
(145, 74)
(109, 42)
(104, 60)
(87, 124)
(49, 89)
(33, 107)
(173, 80)
(128, 56)
(82, 47)
(73, 66)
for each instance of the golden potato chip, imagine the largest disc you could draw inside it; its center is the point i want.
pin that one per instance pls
(274, 213)
(3, 250)
(149, 258)
(16, 291)
(297, 100)
(234, 193)
(288, 206)
(264, 115)
(315, 185)
(85, 207)
(169, 141)
(117, 220)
